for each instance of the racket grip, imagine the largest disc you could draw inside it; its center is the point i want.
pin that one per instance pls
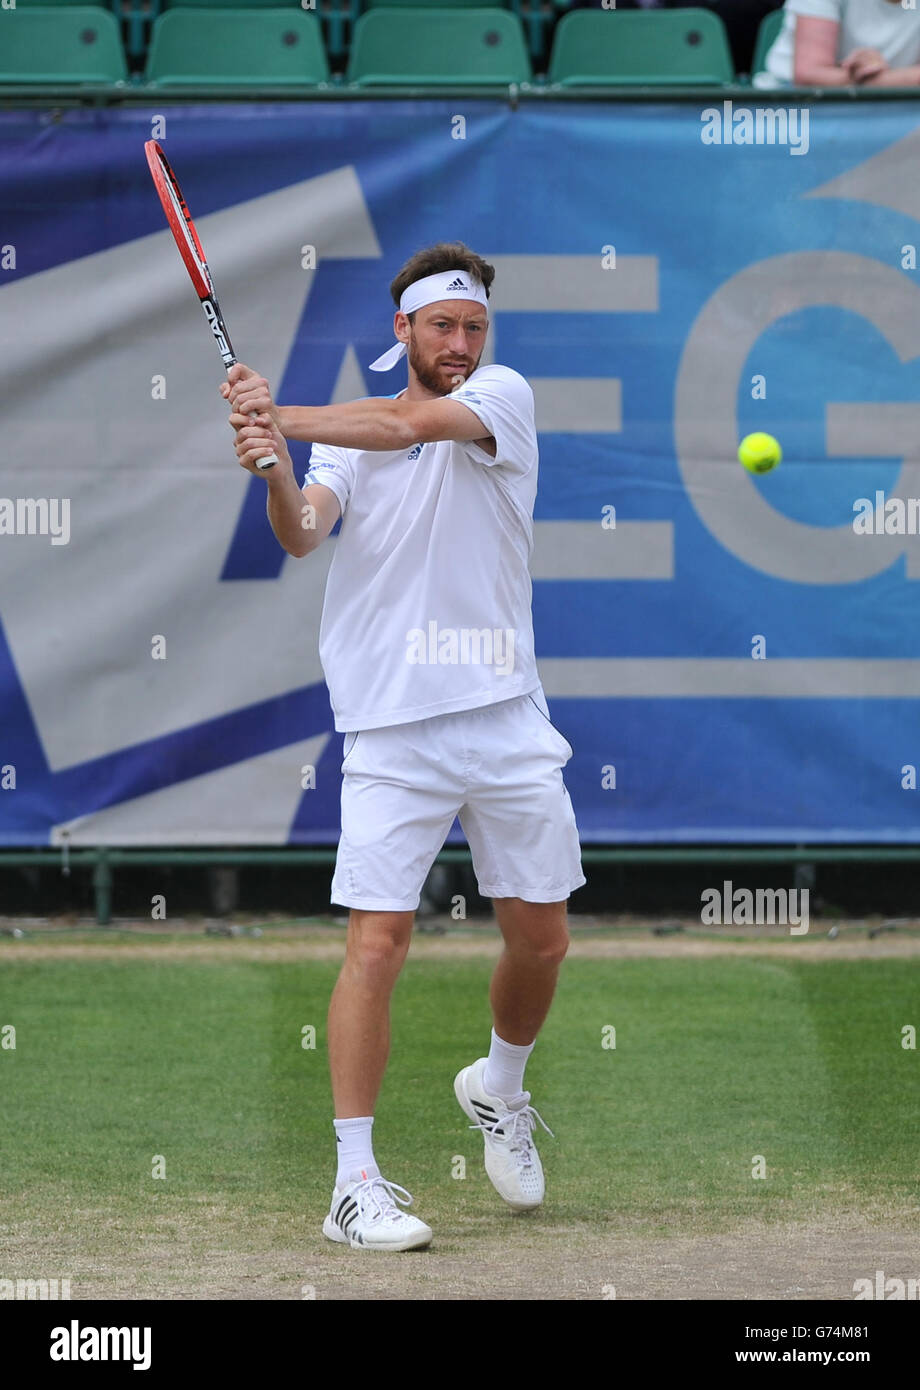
(264, 464)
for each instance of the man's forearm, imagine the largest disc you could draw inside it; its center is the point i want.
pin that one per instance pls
(895, 77)
(823, 75)
(377, 423)
(285, 507)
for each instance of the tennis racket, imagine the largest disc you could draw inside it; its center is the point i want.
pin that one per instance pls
(190, 249)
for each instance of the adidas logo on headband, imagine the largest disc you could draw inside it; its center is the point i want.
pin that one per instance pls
(429, 290)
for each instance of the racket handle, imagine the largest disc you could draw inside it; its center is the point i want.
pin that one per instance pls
(266, 463)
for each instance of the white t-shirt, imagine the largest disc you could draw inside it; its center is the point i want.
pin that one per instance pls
(428, 601)
(892, 30)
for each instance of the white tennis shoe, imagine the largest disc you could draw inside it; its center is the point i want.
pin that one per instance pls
(512, 1161)
(364, 1215)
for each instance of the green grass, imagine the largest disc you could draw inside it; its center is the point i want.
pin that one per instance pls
(717, 1060)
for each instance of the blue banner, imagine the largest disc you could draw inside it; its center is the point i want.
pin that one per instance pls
(732, 657)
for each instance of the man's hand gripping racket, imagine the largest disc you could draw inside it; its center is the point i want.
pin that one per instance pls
(255, 417)
(190, 249)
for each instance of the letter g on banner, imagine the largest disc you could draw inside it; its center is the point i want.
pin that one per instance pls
(706, 426)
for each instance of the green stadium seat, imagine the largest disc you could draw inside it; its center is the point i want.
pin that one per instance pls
(537, 16)
(438, 48)
(135, 15)
(237, 47)
(640, 48)
(426, 5)
(769, 29)
(336, 16)
(61, 45)
(234, 5)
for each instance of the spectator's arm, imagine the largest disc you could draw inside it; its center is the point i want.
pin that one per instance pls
(815, 63)
(895, 77)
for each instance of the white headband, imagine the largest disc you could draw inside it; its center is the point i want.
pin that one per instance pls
(448, 284)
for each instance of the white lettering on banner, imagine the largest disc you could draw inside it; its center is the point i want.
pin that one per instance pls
(582, 405)
(125, 462)
(728, 500)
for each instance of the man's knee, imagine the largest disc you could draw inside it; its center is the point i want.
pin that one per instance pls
(552, 950)
(539, 930)
(378, 941)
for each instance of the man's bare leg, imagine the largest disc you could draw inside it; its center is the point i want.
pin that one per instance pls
(364, 1212)
(536, 940)
(359, 1011)
(523, 983)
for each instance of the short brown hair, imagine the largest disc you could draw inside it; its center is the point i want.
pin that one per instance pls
(446, 255)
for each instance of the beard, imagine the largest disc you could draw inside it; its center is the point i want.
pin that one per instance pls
(431, 376)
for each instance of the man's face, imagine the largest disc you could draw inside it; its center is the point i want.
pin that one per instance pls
(445, 342)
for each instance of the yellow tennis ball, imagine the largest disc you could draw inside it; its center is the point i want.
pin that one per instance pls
(759, 453)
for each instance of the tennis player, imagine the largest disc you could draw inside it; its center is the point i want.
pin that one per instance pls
(426, 642)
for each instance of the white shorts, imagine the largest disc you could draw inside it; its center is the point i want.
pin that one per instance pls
(498, 767)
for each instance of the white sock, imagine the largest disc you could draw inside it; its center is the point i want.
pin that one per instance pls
(355, 1150)
(503, 1075)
